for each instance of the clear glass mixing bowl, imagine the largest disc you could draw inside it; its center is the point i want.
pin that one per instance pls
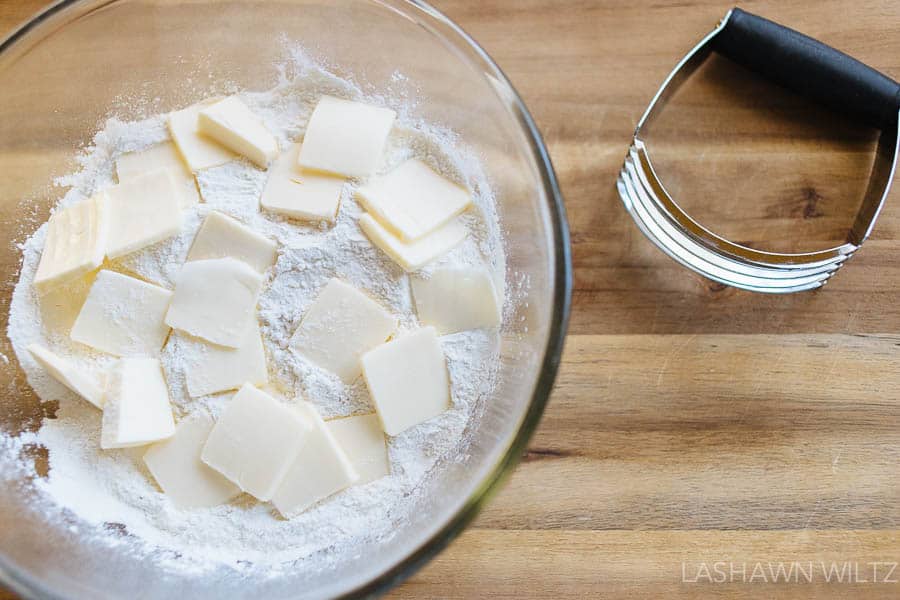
(65, 71)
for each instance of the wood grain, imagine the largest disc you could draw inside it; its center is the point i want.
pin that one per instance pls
(693, 423)
(656, 564)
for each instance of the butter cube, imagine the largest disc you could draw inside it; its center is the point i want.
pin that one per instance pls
(123, 315)
(340, 325)
(412, 256)
(215, 299)
(345, 138)
(212, 368)
(233, 125)
(80, 382)
(300, 194)
(455, 300)
(407, 380)
(163, 157)
(413, 200)
(221, 236)
(137, 409)
(320, 469)
(362, 440)
(255, 441)
(176, 466)
(142, 211)
(197, 150)
(75, 243)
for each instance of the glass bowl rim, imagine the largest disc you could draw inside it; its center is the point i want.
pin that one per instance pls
(25, 585)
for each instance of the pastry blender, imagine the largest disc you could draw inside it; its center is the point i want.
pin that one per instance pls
(803, 65)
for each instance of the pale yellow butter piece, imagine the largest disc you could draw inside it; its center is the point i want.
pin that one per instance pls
(407, 380)
(345, 137)
(164, 157)
(298, 193)
(255, 441)
(233, 125)
(212, 368)
(61, 304)
(341, 324)
(176, 466)
(456, 299)
(123, 315)
(320, 469)
(221, 236)
(362, 440)
(142, 211)
(137, 409)
(197, 150)
(413, 200)
(75, 243)
(215, 299)
(412, 256)
(83, 383)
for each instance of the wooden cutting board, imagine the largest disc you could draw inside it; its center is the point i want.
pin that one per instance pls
(701, 440)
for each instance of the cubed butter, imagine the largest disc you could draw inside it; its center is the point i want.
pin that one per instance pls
(142, 211)
(340, 325)
(82, 383)
(137, 409)
(301, 194)
(233, 125)
(345, 137)
(320, 469)
(407, 380)
(413, 200)
(412, 256)
(197, 150)
(215, 299)
(176, 466)
(455, 300)
(362, 440)
(75, 243)
(211, 368)
(221, 236)
(123, 315)
(163, 157)
(255, 441)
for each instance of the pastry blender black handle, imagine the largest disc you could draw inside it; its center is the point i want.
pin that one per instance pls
(810, 68)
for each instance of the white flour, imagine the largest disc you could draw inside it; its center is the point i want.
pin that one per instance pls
(112, 487)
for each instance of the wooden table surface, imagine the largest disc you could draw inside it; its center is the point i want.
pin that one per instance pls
(700, 438)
